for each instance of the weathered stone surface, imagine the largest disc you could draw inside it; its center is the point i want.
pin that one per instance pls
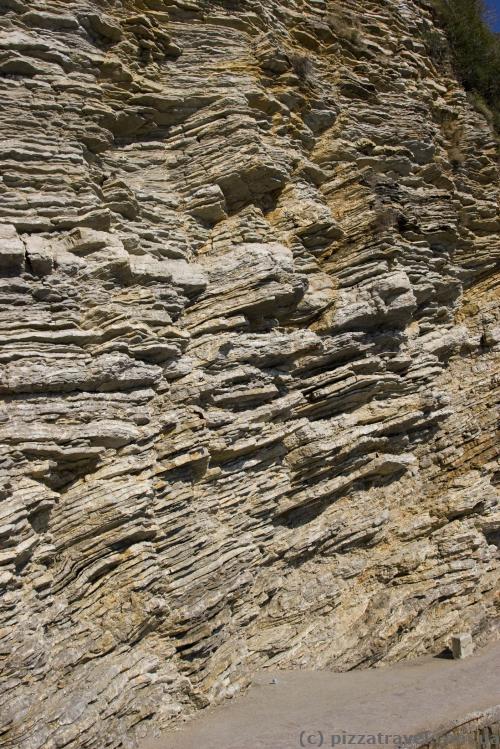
(462, 646)
(249, 359)
(11, 249)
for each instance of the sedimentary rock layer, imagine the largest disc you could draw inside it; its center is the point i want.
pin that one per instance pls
(249, 367)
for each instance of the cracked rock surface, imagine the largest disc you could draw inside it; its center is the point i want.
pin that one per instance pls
(249, 361)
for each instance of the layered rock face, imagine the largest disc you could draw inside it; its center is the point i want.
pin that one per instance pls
(250, 342)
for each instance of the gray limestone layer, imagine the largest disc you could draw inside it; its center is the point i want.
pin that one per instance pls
(249, 360)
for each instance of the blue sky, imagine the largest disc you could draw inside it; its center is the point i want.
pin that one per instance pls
(494, 13)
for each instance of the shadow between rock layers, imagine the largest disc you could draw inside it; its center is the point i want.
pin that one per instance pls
(249, 362)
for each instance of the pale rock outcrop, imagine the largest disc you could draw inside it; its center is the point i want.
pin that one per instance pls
(249, 354)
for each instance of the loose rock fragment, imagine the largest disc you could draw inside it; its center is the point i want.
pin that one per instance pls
(249, 355)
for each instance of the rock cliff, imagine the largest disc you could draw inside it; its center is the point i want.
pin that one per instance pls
(250, 336)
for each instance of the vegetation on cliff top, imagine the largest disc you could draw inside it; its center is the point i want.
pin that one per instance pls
(476, 52)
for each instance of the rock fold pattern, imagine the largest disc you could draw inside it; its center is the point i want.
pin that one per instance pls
(249, 359)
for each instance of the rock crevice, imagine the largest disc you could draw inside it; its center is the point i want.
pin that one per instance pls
(249, 360)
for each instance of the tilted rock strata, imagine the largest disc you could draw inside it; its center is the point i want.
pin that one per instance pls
(249, 362)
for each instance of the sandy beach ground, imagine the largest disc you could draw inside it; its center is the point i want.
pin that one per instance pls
(307, 709)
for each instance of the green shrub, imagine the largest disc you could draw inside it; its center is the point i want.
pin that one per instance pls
(302, 65)
(479, 104)
(475, 49)
(385, 217)
(345, 27)
(436, 45)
